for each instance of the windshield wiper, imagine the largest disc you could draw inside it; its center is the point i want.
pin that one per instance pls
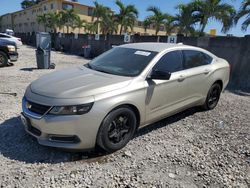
(101, 70)
(96, 69)
(88, 66)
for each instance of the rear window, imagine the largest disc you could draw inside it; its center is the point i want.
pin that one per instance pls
(194, 58)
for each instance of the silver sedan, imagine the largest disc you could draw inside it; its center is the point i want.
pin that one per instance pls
(130, 86)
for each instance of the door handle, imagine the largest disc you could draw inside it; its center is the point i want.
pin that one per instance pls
(181, 78)
(206, 71)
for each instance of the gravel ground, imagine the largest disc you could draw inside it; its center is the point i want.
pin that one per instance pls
(191, 149)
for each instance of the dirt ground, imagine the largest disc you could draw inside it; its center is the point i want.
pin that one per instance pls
(191, 149)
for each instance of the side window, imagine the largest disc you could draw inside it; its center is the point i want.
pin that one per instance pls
(194, 58)
(170, 62)
(3, 36)
(208, 59)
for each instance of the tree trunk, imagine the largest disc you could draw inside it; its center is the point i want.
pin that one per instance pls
(157, 29)
(156, 32)
(121, 30)
(97, 29)
(67, 29)
(203, 26)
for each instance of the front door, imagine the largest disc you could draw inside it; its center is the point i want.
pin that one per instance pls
(164, 97)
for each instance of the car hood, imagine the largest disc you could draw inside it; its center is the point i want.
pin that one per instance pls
(77, 82)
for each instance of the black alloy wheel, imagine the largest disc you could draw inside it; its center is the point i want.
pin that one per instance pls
(3, 59)
(117, 128)
(213, 97)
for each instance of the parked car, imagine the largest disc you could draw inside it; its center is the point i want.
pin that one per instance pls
(8, 51)
(9, 32)
(105, 101)
(5, 36)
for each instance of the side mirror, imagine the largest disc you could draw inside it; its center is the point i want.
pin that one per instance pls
(159, 75)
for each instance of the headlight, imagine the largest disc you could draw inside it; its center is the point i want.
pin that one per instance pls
(71, 110)
(11, 48)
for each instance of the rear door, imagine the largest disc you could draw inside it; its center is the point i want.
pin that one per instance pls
(198, 74)
(166, 96)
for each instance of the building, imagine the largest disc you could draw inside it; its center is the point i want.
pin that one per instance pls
(25, 21)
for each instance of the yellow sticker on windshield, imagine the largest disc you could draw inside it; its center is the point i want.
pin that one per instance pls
(142, 53)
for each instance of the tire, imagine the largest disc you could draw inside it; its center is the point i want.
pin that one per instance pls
(213, 97)
(116, 130)
(3, 59)
(52, 66)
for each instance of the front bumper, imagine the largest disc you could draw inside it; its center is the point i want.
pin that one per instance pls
(13, 56)
(76, 132)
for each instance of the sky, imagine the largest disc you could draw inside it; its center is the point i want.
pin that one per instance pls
(167, 6)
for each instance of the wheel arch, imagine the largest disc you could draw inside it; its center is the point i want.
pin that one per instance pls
(220, 82)
(133, 108)
(127, 105)
(3, 51)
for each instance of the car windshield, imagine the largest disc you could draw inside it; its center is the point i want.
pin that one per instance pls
(122, 61)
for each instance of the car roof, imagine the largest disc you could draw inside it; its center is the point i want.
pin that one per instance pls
(152, 46)
(3, 34)
(6, 34)
(160, 46)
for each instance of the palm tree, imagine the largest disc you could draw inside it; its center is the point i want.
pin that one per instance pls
(244, 11)
(61, 22)
(99, 11)
(42, 19)
(79, 23)
(214, 9)
(90, 27)
(107, 22)
(27, 3)
(146, 24)
(185, 20)
(126, 17)
(169, 25)
(68, 18)
(53, 21)
(157, 18)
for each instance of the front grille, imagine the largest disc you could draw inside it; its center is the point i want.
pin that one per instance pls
(66, 139)
(37, 108)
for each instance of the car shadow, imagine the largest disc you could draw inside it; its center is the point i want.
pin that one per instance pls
(167, 121)
(29, 69)
(9, 64)
(245, 93)
(16, 144)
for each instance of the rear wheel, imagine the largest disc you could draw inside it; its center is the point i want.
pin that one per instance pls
(117, 129)
(213, 97)
(3, 59)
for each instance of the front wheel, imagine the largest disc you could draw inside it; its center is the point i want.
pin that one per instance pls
(117, 128)
(213, 97)
(3, 59)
